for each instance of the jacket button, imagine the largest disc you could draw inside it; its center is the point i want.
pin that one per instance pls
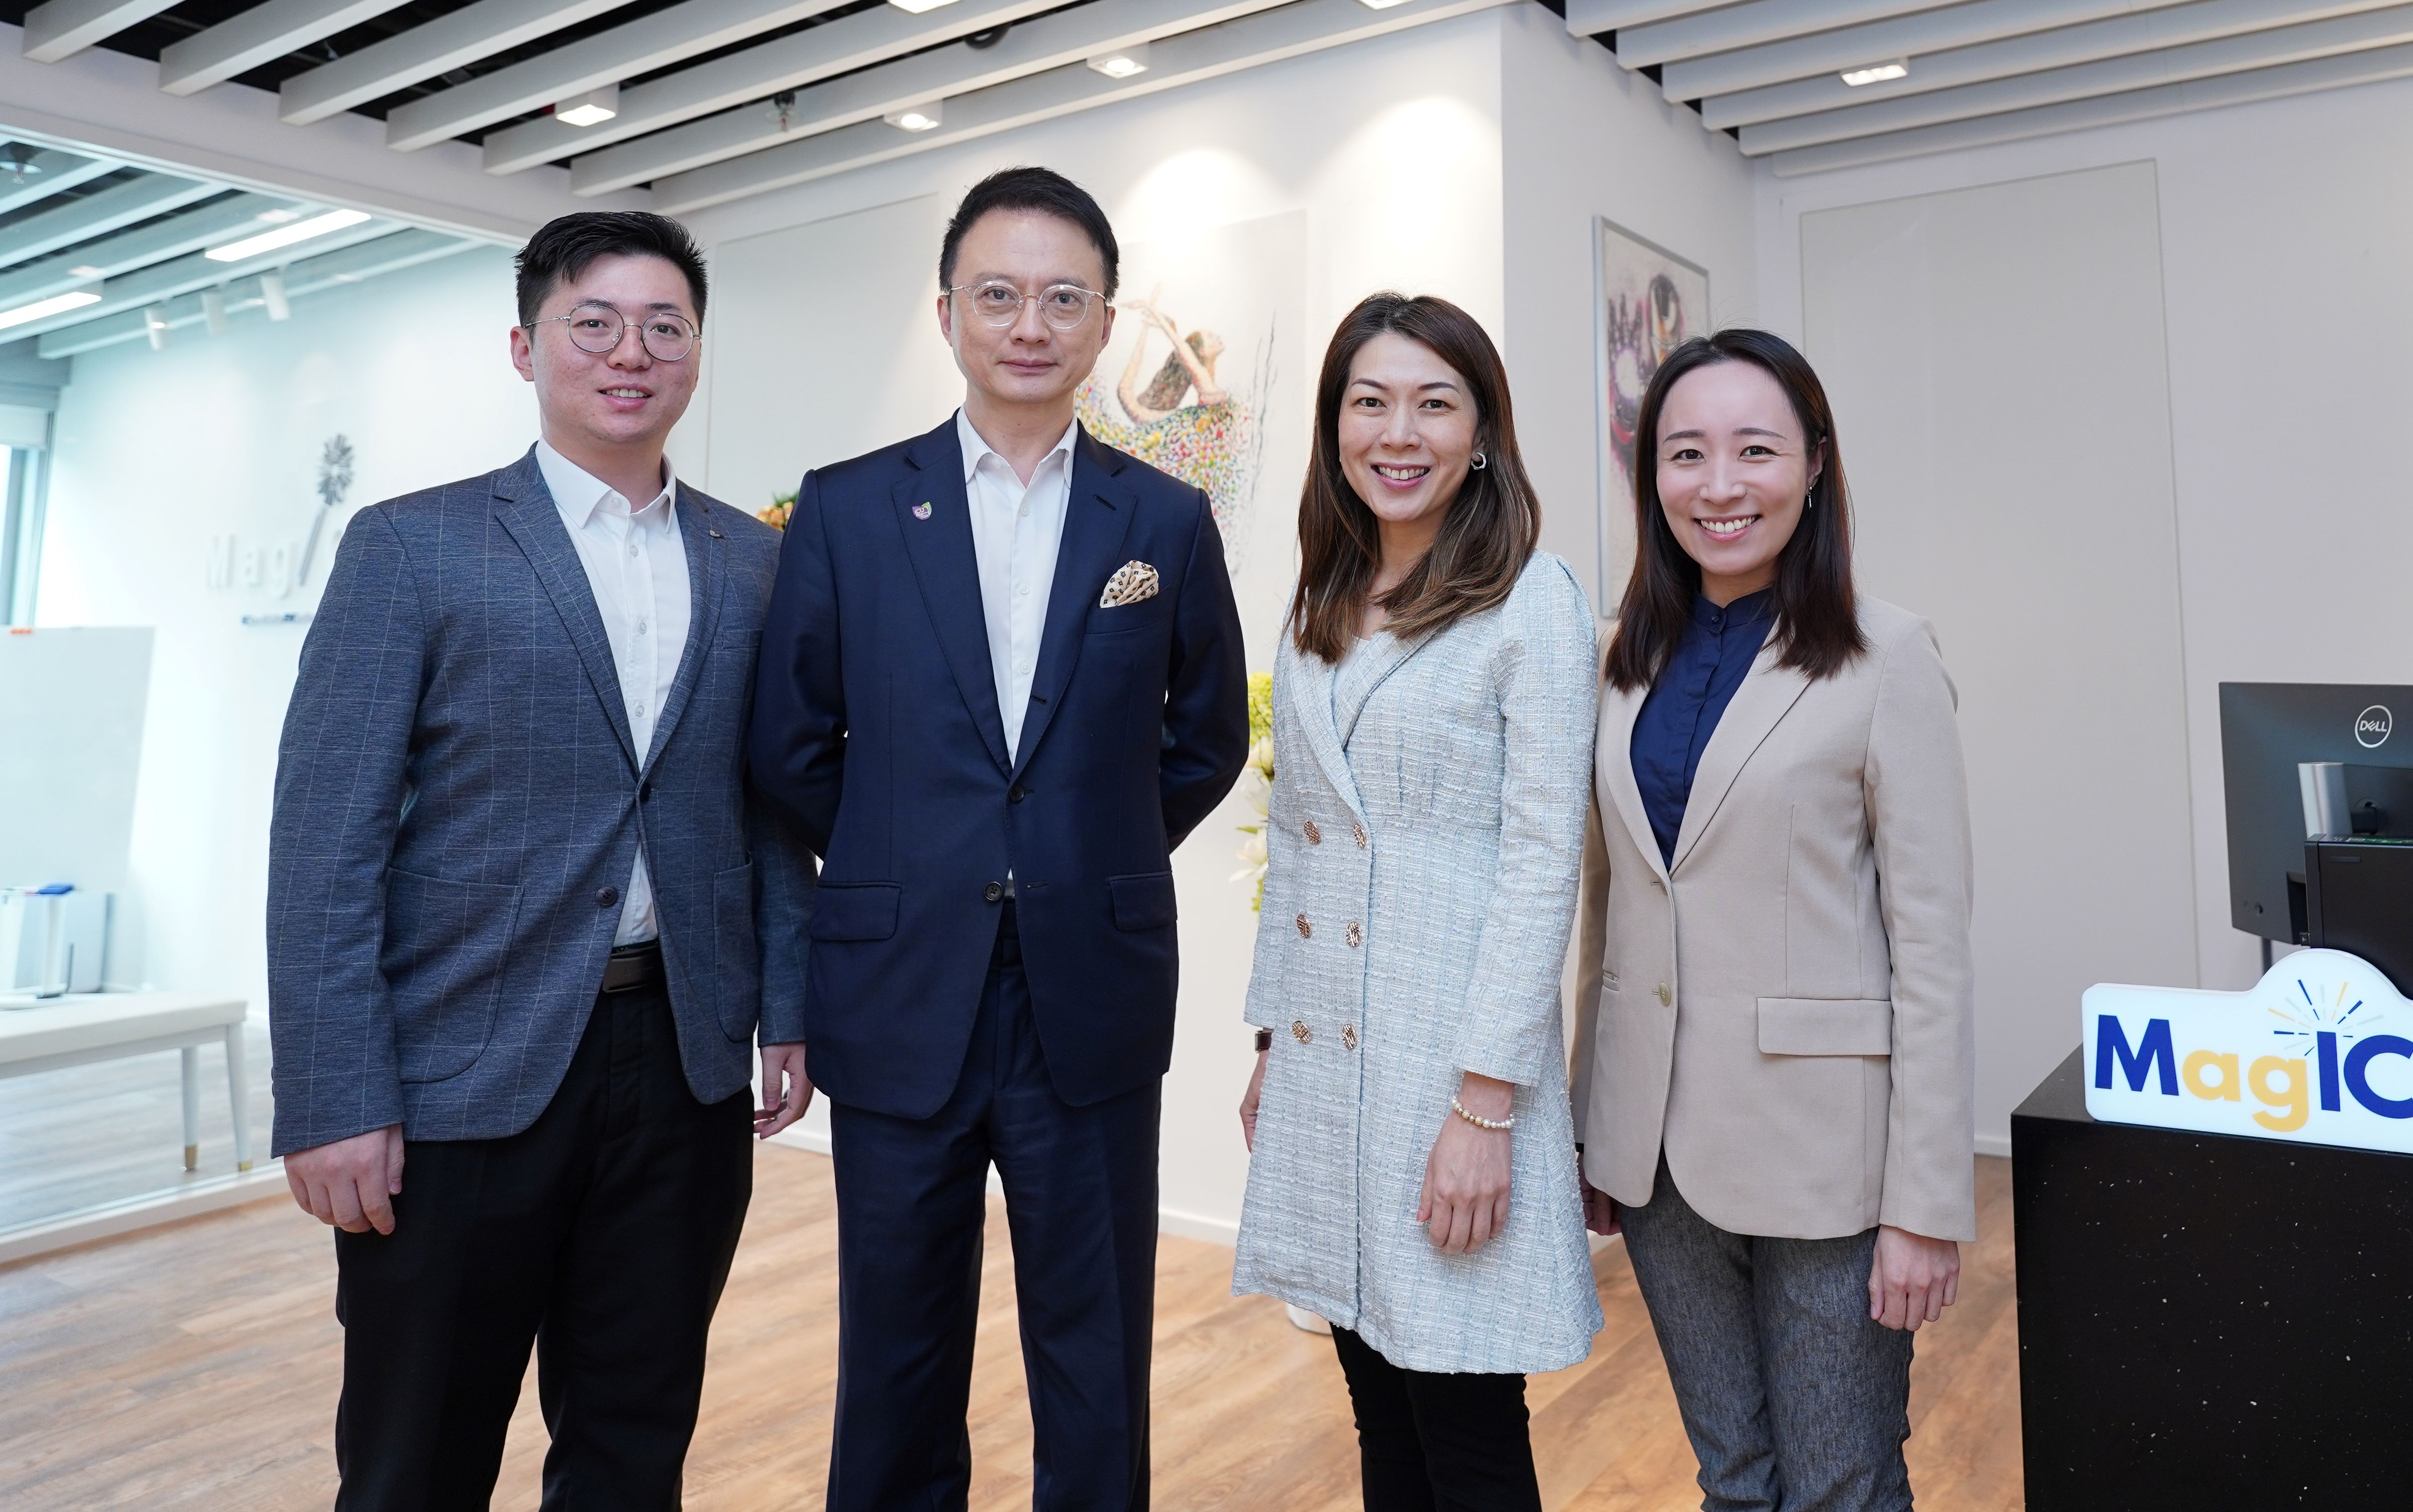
(1666, 995)
(1359, 830)
(1355, 936)
(1299, 1031)
(645, 793)
(1306, 930)
(992, 892)
(1314, 836)
(1348, 1036)
(608, 897)
(1016, 793)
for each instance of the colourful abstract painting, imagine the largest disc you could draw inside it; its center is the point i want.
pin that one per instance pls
(1650, 302)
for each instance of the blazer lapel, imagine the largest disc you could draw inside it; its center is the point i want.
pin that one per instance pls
(1096, 521)
(1311, 683)
(1763, 698)
(935, 518)
(703, 549)
(526, 508)
(1614, 763)
(1390, 654)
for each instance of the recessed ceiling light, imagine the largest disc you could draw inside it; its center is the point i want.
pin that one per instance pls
(917, 7)
(922, 117)
(301, 231)
(55, 305)
(277, 217)
(85, 270)
(593, 107)
(1877, 73)
(1122, 61)
(1381, 5)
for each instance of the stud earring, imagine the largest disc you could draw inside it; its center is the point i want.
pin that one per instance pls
(1480, 461)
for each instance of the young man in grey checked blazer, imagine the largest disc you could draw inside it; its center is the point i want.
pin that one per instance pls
(525, 919)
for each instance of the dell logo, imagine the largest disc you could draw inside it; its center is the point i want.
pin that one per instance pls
(2372, 725)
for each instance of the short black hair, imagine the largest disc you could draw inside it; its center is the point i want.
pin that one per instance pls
(566, 246)
(1039, 189)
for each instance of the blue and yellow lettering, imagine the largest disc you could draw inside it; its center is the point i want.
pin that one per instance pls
(2358, 1074)
(2153, 1053)
(2329, 1071)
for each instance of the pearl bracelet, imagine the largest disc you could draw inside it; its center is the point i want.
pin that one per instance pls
(1496, 1125)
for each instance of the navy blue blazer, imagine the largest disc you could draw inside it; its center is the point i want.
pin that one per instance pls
(459, 805)
(875, 728)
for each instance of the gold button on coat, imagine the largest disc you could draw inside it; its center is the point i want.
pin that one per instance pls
(1299, 1030)
(1359, 830)
(1666, 996)
(1314, 836)
(1307, 932)
(1355, 936)
(1348, 1036)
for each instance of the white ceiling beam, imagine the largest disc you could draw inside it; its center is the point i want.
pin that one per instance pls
(189, 275)
(2315, 76)
(641, 45)
(2116, 37)
(2233, 54)
(426, 50)
(256, 36)
(791, 62)
(1589, 18)
(1290, 31)
(1034, 47)
(59, 28)
(127, 251)
(1900, 36)
(335, 269)
(1749, 25)
(51, 172)
(115, 208)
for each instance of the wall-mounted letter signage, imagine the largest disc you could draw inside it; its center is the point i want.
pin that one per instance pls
(2319, 1051)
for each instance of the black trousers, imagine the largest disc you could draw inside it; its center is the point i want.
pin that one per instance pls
(1430, 1442)
(912, 1202)
(603, 1234)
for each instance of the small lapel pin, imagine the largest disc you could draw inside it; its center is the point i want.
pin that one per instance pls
(922, 511)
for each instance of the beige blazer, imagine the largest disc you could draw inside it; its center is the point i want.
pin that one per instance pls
(1785, 1011)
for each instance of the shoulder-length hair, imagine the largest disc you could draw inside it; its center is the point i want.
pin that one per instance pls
(1817, 624)
(1486, 536)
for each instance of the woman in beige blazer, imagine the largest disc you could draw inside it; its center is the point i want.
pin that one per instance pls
(1771, 1070)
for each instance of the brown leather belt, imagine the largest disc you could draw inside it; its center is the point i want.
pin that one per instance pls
(633, 966)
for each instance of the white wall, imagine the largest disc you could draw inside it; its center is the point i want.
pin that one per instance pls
(2283, 242)
(1392, 148)
(1582, 138)
(157, 453)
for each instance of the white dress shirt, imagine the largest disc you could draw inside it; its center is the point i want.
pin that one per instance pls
(1016, 531)
(637, 567)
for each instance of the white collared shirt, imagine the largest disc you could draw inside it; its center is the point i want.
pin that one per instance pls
(1016, 532)
(637, 567)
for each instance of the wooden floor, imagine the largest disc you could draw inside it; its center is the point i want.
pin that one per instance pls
(197, 1367)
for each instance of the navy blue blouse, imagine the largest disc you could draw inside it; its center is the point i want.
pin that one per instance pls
(1683, 708)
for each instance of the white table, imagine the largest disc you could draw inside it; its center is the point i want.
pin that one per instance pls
(78, 1030)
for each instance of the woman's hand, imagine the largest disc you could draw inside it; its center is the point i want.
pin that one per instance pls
(1249, 1103)
(1599, 1208)
(1913, 1279)
(1465, 1196)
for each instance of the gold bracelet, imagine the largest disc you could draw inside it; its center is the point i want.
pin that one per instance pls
(1496, 1125)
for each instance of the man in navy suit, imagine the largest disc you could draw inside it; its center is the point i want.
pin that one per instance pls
(1001, 679)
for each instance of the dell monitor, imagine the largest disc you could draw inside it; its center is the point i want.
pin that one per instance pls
(2267, 732)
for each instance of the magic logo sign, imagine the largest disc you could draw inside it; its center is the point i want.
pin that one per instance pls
(2317, 1051)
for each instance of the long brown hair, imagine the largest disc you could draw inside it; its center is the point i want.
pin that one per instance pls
(1486, 536)
(1816, 618)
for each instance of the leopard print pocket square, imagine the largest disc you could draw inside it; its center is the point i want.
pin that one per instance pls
(1132, 582)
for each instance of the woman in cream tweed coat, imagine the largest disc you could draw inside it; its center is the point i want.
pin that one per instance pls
(1424, 842)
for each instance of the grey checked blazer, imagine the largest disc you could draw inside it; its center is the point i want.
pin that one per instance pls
(1419, 891)
(457, 796)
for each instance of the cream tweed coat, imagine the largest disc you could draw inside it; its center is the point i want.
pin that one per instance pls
(1420, 886)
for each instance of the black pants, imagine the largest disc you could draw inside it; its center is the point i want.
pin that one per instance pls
(1080, 1204)
(1432, 1441)
(602, 1232)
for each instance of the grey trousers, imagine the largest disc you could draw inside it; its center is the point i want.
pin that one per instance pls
(1794, 1399)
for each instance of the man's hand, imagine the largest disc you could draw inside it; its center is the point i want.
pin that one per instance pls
(1912, 1280)
(350, 1184)
(1249, 1103)
(1465, 1196)
(1599, 1208)
(786, 1091)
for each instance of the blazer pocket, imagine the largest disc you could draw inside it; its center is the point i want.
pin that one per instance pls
(844, 912)
(1826, 1026)
(447, 946)
(1144, 901)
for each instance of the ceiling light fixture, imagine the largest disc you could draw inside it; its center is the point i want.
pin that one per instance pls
(154, 320)
(1877, 73)
(214, 310)
(277, 217)
(918, 7)
(17, 161)
(1381, 5)
(593, 107)
(55, 305)
(922, 117)
(86, 269)
(1122, 61)
(271, 295)
(301, 231)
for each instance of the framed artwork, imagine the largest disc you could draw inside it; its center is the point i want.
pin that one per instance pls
(1646, 301)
